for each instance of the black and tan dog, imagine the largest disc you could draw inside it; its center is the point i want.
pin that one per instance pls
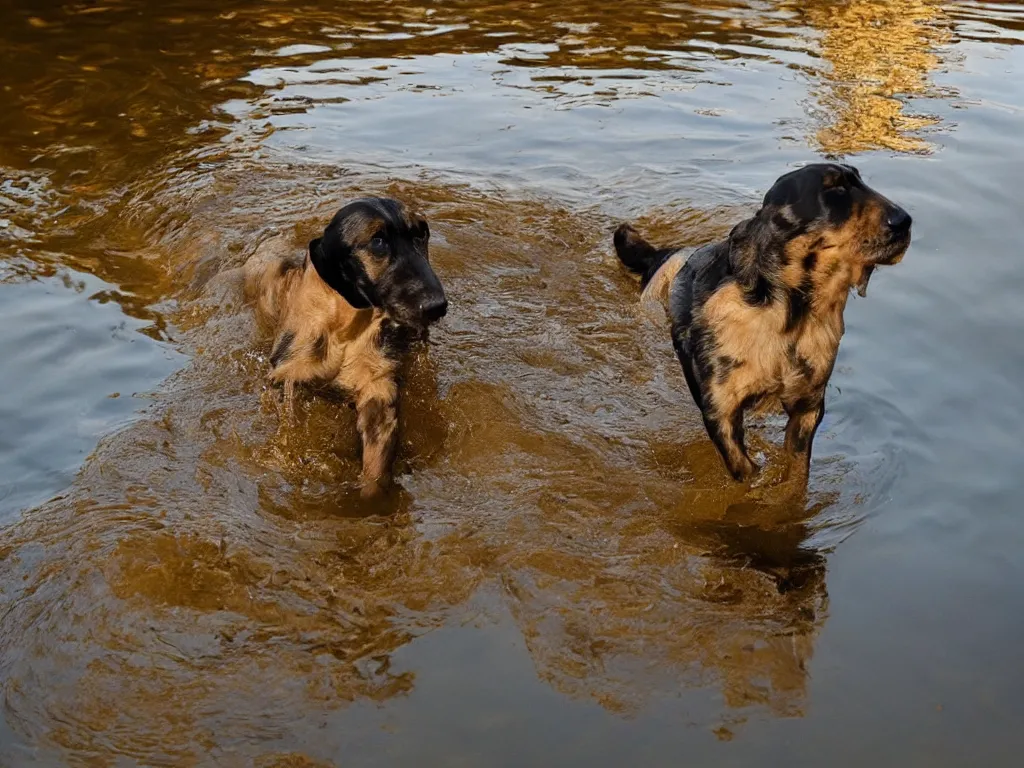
(347, 312)
(757, 318)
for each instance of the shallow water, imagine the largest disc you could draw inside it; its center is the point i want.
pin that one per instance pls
(567, 575)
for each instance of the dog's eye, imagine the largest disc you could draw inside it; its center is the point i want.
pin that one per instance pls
(379, 246)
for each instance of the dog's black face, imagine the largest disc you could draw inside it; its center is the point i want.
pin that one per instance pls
(834, 197)
(832, 202)
(374, 253)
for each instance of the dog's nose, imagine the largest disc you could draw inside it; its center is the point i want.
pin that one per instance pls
(898, 220)
(434, 309)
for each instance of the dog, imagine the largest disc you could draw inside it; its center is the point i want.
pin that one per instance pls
(757, 318)
(347, 313)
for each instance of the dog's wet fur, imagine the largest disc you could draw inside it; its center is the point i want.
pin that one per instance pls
(346, 313)
(757, 318)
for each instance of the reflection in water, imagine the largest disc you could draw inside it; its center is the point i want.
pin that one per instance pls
(880, 53)
(96, 92)
(1000, 23)
(652, 619)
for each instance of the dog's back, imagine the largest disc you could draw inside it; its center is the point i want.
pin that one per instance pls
(657, 267)
(270, 276)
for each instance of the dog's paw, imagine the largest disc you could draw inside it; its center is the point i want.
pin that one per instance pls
(746, 471)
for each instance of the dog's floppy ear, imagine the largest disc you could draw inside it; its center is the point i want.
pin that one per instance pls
(750, 258)
(341, 270)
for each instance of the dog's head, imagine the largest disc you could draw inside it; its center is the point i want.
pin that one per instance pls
(827, 210)
(374, 253)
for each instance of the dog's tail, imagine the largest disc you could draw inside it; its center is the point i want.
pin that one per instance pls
(637, 255)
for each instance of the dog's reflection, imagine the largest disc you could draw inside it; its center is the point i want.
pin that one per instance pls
(732, 602)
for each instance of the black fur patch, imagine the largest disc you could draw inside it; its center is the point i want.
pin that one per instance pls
(803, 405)
(736, 423)
(725, 365)
(802, 365)
(810, 261)
(701, 355)
(802, 441)
(799, 303)
(781, 223)
(320, 347)
(751, 400)
(283, 350)
(660, 257)
(394, 339)
(684, 345)
(762, 293)
(715, 432)
(838, 206)
(806, 207)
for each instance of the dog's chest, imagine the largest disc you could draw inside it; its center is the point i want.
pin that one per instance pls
(810, 355)
(374, 354)
(819, 339)
(748, 351)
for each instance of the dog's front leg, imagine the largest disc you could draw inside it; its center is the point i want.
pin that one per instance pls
(721, 407)
(805, 415)
(726, 432)
(377, 422)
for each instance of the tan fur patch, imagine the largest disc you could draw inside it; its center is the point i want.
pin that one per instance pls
(751, 334)
(658, 287)
(359, 229)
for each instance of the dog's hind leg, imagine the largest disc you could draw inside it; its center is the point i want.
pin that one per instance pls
(686, 360)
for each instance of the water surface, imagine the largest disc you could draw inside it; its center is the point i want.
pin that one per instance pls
(567, 575)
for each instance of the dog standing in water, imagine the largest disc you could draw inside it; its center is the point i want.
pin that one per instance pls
(757, 318)
(347, 312)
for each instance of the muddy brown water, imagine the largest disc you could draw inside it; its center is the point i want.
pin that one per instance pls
(567, 576)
